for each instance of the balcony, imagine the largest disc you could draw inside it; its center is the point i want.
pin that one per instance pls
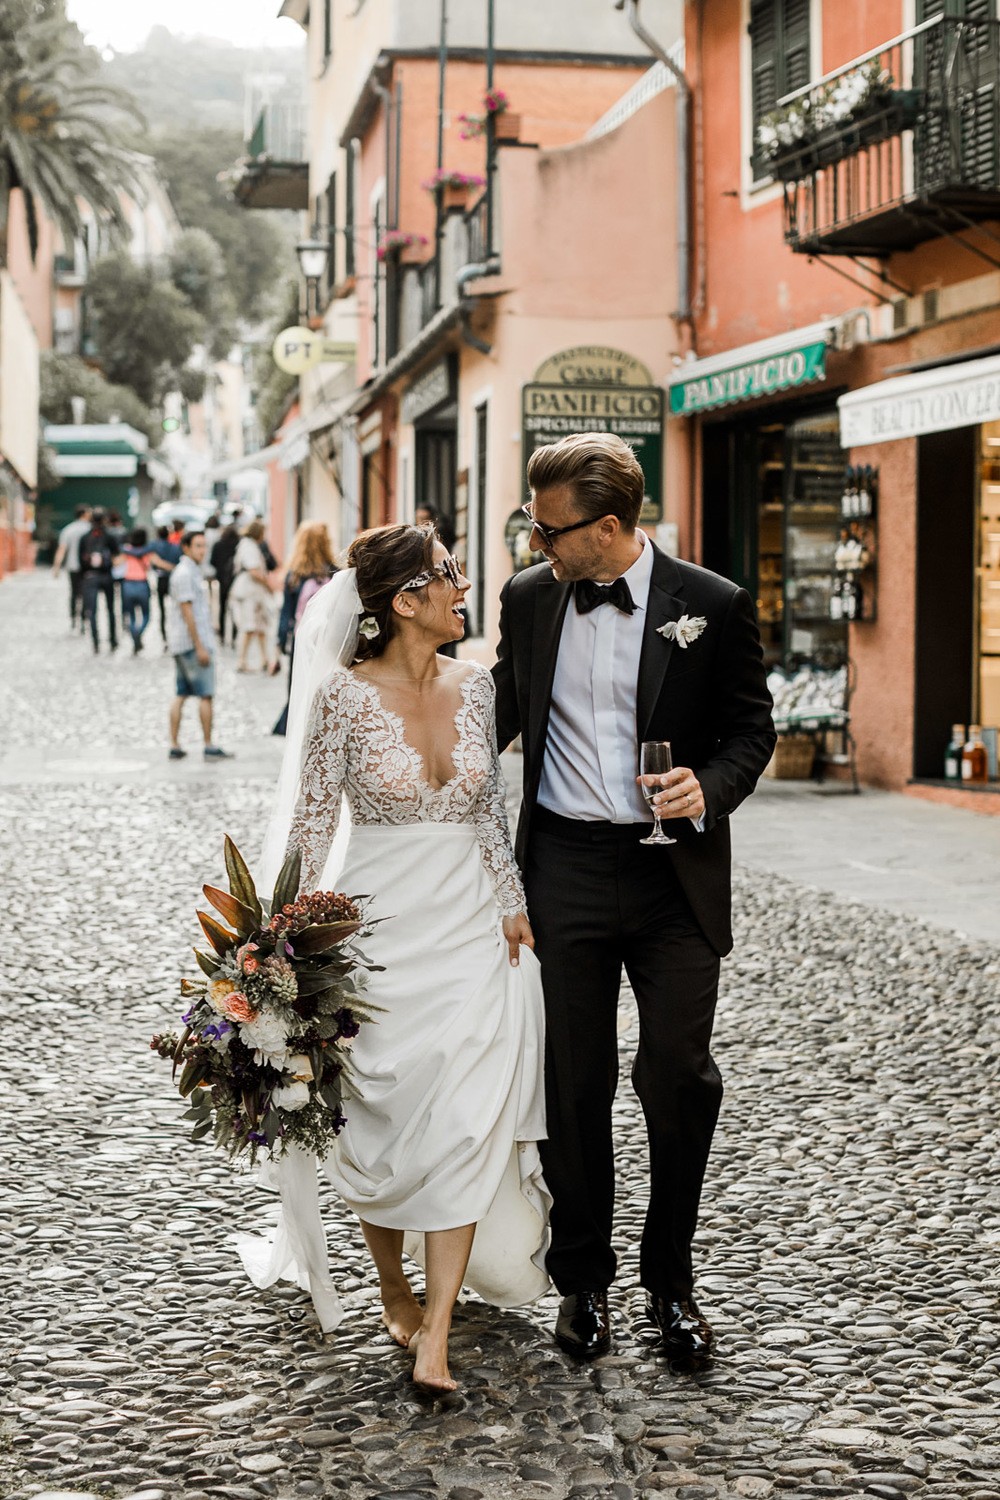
(275, 173)
(420, 292)
(900, 146)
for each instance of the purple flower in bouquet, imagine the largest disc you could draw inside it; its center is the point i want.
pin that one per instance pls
(348, 1025)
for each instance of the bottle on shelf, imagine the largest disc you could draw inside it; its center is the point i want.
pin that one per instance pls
(953, 754)
(864, 492)
(974, 765)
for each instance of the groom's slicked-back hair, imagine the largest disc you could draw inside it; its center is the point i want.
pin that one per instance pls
(601, 470)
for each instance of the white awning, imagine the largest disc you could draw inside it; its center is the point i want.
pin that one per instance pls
(765, 368)
(961, 395)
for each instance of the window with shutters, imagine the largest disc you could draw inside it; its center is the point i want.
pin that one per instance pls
(331, 231)
(780, 58)
(350, 186)
(968, 154)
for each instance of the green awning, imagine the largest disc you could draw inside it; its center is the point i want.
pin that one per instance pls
(762, 369)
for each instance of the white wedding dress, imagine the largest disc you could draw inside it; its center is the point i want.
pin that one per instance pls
(450, 1106)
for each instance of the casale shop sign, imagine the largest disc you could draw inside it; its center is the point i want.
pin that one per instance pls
(762, 377)
(593, 389)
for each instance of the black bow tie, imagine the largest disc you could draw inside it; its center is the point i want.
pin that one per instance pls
(589, 595)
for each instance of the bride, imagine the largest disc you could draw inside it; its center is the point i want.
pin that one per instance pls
(391, 788)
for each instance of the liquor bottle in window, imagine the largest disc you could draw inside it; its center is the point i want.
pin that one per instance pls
(974, 765)
(864, 492)
(953, 754)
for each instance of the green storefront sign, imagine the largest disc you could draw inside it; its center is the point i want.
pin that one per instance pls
(762, 377)
(633, 412)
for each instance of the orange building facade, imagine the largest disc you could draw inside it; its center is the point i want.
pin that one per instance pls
(839, 394)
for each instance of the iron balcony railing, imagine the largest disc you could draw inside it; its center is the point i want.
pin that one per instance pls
(279, 132)
(477, 230)
(899, 146)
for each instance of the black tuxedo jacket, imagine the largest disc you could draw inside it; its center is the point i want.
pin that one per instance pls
(709, 699)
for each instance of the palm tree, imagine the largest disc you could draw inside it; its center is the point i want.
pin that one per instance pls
(61, 129)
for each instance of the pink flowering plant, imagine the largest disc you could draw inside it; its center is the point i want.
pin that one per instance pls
(495, 102)
(264, 1055)
(396, 240)
(443, 178)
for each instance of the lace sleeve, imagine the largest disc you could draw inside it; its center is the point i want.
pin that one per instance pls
(490, 817)
(321, 785)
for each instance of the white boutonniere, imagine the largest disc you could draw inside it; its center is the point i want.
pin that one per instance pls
(685, 630)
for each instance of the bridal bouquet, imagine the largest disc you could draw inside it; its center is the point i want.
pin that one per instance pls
(264, 1057)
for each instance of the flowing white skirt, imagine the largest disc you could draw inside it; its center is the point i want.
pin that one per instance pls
(450, 1105)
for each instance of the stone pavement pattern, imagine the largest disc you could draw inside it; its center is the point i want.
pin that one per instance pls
(850, 1231)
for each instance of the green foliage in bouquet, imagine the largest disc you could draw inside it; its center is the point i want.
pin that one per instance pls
(264, 1058)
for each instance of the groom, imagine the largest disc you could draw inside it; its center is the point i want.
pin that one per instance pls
(606, 644)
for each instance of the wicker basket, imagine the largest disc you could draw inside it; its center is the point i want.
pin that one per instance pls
(792, 759)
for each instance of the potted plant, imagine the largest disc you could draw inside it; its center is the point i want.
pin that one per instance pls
(858, 109)
(496, 107)
(394, 242)
(452, 188)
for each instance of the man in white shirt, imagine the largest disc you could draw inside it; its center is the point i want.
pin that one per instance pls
(68, 552)
(191, 640)
(607, 644)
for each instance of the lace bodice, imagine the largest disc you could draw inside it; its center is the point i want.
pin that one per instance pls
(356, 746)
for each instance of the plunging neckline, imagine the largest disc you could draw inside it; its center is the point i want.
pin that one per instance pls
(399, 724)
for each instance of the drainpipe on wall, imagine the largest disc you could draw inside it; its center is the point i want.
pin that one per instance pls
(472, 272)
(683, 313)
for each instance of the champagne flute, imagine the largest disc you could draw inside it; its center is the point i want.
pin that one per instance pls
(654, 761)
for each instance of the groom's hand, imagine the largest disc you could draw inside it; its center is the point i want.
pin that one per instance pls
(681, 796)
(517, 931)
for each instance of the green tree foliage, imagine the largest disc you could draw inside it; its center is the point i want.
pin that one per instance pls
(63, 132)
(144, 328)
(257, 246)
(274, 386)
(65, 375)
(197, 269)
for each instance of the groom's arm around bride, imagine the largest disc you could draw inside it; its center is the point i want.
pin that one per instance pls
(607, 644)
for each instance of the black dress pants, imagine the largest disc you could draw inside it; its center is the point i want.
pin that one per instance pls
(599, 901)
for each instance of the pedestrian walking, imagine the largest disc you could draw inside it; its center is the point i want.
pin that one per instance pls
(97, 558)
(169, 553)
(221, 558)
(192, 643)
(139, 558)
(68, 553)
(253, 601)
(310, 566)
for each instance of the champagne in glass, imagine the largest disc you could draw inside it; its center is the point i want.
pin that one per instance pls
(655, 760)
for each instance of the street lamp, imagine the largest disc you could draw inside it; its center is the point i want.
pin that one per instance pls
(313, 256)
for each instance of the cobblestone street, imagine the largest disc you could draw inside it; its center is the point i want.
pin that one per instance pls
(850, 1233)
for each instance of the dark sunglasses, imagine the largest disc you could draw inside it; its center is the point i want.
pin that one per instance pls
(449, 569)
(548, 534)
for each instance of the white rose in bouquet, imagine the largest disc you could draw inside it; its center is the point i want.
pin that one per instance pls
(268, 1036)
(291, 1096)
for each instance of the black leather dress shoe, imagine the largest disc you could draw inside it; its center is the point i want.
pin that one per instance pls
(686, 1335)
(583, 1327)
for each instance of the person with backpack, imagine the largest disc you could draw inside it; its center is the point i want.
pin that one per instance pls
(97, 559)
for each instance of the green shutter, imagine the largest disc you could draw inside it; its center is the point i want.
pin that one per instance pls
(796, 71)
(763, 57)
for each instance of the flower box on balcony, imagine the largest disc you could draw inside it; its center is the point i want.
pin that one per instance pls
(882, 118)
(506, 126)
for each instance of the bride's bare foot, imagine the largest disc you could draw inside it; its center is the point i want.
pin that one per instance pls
(430, 1369)
(402, 1316)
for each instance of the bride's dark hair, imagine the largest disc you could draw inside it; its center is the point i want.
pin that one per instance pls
(386, 558)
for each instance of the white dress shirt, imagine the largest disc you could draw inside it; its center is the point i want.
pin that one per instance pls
(591, 760)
